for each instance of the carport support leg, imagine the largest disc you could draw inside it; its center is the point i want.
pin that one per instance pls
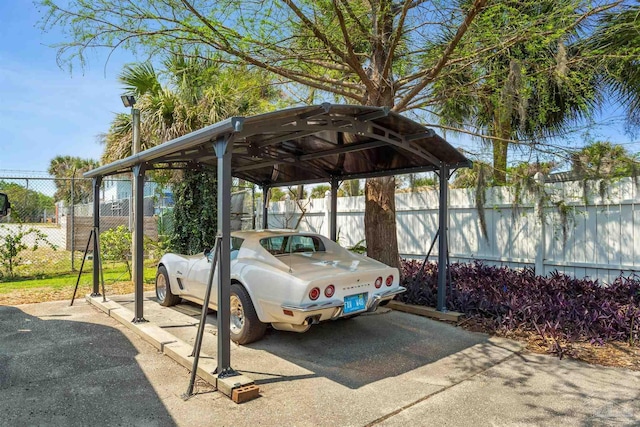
(138, 252)
(265, 207)
(203, 319)
(334, 209)
(442, 239)
(97, 181)
(223, 149)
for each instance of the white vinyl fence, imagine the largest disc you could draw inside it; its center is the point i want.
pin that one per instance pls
(588, 229)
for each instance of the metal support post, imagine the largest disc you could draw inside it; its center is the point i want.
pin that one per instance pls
(97, 181)
(333, 233)
(138, 250)
(541, 232)
(442, 238)
(265, 207)
(223, 149)
(86, 249)
(203, 317)
(135, 149)
(253, 206)
(72, 215)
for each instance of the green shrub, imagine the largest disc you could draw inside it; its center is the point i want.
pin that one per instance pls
(13, 245)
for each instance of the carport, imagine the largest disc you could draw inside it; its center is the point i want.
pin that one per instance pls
(303, 145)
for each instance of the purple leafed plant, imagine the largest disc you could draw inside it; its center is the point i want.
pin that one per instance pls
(558, 307)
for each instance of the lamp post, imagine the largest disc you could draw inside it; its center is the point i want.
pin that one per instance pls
(129, 101)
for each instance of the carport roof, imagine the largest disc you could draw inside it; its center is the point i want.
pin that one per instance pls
(305, 145)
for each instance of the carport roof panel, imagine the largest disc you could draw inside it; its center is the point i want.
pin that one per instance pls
(308, 144)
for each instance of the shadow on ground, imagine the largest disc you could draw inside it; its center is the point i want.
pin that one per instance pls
(369, 348)
(56, 371)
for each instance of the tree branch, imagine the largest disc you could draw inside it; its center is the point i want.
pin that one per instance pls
(478, 5)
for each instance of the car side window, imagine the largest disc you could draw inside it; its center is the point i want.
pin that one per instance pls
(274, 245)
(236, 242)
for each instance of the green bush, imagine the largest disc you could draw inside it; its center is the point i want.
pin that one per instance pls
(115, 245)
(13, 245)
(195, 213)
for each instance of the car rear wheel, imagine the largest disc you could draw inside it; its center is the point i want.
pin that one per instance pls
(163, 290)
(244, 322)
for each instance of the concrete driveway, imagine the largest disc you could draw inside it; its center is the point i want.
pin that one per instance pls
(63, 365)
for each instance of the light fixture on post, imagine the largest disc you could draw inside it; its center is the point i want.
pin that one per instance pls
(129, 101)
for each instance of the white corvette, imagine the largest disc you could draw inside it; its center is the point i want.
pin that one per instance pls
(288, 279)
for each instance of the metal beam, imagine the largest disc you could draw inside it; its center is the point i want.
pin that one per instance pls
(325, 107)
(388, 172)
(265, 207)
(428, 133)
(382, 112)
(260, 165)
(347, 148)
(334, 209)
(223, 151)
(138, 252)
(283, 138)
(443, 246)
(97, 181)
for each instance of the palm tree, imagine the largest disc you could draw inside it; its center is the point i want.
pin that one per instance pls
(615, 46)
(189, 93)
(67, 168)
(523, 93)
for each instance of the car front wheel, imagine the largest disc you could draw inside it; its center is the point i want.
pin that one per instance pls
(163, 289)
(244, 322)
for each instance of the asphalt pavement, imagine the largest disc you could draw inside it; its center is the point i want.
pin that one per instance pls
(77, 366)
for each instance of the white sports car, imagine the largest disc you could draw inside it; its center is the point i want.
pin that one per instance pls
(285, 278)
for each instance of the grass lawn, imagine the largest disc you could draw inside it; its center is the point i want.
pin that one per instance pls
(59, 286)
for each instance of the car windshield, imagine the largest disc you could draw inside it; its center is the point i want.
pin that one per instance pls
(279, 245)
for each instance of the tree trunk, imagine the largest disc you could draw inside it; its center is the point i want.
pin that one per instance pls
(501, 129)
(380, 203)
(380, 220)
(500, 162)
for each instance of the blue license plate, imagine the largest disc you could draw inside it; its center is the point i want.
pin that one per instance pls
(353, 303)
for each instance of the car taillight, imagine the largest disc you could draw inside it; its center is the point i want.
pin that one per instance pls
(314, 294)
(329, 291)
(378, 282)
(390, 280)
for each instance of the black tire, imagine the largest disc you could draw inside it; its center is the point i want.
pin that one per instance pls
(163, 290)
(244, 323)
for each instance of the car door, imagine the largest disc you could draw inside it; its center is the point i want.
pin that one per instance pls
(199, 274)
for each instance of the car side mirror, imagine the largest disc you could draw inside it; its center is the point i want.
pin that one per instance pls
(4, 204)
(207, 254)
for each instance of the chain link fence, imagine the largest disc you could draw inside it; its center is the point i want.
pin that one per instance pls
(47, 231)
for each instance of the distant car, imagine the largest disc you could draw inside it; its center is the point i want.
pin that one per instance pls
(287, 279)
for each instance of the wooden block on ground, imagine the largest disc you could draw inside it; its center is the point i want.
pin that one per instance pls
(245, 393)
(452, 316)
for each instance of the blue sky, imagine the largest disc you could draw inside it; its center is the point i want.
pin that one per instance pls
(46, 111)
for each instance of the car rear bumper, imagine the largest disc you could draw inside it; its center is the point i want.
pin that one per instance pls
(311, 313)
